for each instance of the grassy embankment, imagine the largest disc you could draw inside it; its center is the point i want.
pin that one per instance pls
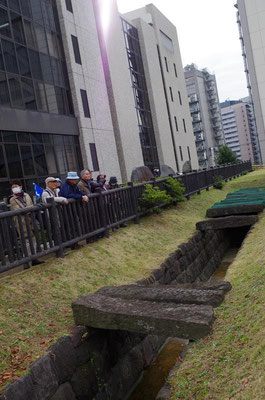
(36, 303)
(230, 363)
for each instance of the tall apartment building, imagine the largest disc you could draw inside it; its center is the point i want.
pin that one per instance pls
(251, 24)
(158, 42)
(205, 112)
(237, 128)
(68, 99)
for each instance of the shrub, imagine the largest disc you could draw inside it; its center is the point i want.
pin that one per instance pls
(153, 197)
(218, 182)
(175, 189)
(245, 172)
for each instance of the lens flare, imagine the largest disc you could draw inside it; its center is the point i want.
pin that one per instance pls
(105, 14)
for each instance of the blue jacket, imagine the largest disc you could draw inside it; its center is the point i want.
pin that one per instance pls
(70, 192)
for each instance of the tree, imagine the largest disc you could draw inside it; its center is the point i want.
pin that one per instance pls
(225, 155)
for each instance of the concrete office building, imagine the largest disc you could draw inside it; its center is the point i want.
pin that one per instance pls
(205, 112)
(237, 128)
(165, 83)
(251, 23)
(69, 100)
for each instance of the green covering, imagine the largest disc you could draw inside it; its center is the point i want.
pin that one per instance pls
(253, 195)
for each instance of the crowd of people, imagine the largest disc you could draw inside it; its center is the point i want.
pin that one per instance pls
(74, 187)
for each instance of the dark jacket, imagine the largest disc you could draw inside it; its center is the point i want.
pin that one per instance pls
(71, 192)
(84, 186)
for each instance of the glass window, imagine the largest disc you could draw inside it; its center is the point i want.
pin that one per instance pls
(57, 71)
(41, 39)
(40, 159)
(28, 94)
(27, 160)
(35, 64)
(4, 94)
(93, 152)
(3, 3)
(10, 56)
(30, 34)
(2, 164)
(69, 6)
(23, 61)
(50, 158)
(9, 137)
(85, 103)
(51, 98)
(52, 43)
(14, 5)
(13, 161)
(60, 154)
(60, 100)
(17, 26)
(4, 23)
(15, 91)
(41, 97)
(26, 8)
(46, 68)
(70, 102)
(36, 137)
(50, 14)
(36, 11)
(76, 49)
(23, 137)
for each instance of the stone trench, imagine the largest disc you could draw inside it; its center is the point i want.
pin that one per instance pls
(120, 330)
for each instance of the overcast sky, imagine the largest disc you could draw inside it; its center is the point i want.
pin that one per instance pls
(208, 36)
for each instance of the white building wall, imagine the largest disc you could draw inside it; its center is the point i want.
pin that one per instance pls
(90, 77)
(151, 14)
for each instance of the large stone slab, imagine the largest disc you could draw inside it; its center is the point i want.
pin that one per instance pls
(234, 210)
(233, 221)
(184, 321)
(223, 286)
(165, 294)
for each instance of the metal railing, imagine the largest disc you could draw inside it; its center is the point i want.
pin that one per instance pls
(34, 232)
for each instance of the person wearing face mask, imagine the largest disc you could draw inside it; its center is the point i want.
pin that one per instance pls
(19, 200)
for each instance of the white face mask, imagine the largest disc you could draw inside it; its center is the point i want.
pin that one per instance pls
(16, 190)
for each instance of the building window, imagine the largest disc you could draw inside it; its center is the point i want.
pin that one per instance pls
(180, 151)
(175, 69)
(188, 149)
(171, 93)
(76, 50)
(184, 125)
(166, 64)
(94, 157)
(69, 6)
(180, 101)
(85, 103)
(176, 123)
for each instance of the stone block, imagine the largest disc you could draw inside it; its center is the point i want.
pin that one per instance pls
(233, 221)
(224, 286)
(157, 273)
(183, 248)
(44, 377)
(183, 263)
(181, 320)
(164, 393)
(234, 210)
(65, 392)
(84, 381)
(77, 335)
(21, 389)
(64, 358)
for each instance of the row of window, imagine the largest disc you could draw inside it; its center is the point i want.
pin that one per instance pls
(176, 124)
(19, 92)
(35, 36)
(174, 65)
(41, 11)
(172, 97)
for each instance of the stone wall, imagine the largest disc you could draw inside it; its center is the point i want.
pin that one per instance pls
(97, 364)
(194, 261)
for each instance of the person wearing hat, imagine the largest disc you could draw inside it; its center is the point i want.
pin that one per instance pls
(70, 189)
(52, 191)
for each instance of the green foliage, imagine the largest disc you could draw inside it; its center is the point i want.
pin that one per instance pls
(218, 182)
(175, 189)
(245, 172)
(225, 156)
(153, 197)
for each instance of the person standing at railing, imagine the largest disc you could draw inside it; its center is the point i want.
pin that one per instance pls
(52, 191)
(85, 185)
(20, 200)
(70, 190)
